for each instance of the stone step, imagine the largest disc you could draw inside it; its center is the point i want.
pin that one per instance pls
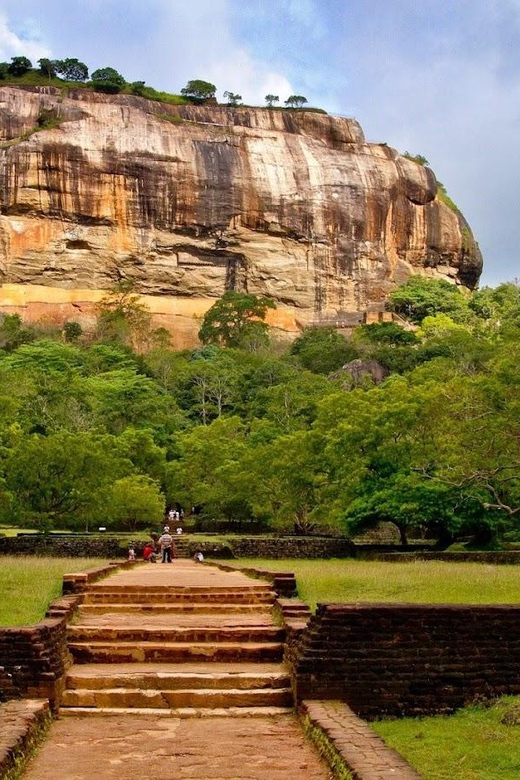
(184, 712)
(210, 634)
(186, 596)
(177, 699)
(175, 609)
(173, 652)
(167, 589)
(169, 678)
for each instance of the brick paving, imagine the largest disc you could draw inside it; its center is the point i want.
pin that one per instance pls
(362, 750)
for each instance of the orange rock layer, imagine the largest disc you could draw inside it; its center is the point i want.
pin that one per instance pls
(191, 201)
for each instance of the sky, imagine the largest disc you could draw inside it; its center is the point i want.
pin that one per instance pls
(440, 78)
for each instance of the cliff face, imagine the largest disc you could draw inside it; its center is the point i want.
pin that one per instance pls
(190, 201)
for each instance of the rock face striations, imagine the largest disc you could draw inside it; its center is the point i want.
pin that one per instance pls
(189, 201)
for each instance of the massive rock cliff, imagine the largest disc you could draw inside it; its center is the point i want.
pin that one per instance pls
(189, 201)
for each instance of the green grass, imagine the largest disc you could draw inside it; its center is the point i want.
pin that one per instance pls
(411, 581)
(28, 584)
(472, 744)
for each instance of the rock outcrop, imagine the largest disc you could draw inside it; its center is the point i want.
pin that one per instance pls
(189, 201)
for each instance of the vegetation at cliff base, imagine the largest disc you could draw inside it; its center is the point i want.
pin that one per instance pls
(415, 423)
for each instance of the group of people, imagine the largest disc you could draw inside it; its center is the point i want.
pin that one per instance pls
(164, 545)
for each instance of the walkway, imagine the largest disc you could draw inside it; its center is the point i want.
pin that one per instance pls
(178, 673)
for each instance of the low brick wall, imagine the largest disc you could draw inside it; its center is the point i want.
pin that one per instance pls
(284, 583)
(22, 726)
(292, 547)
(232, 547)
(62, 546)
(346, 741)
(34, 659)
(78, 581)
(397, 659)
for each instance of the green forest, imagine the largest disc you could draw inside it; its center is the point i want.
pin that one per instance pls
(251, 432)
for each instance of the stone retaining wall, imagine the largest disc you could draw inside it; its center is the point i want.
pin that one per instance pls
(62, 546)
(413, 659)
(232, 547)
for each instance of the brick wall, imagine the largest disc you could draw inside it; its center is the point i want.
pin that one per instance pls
(33, 659)
(392, 659)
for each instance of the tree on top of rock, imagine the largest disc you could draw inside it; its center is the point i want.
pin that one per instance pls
(295, 101)
(19, 66)
(73, 70)
(237, 320)
(232, 98)
(108, 80)
(270, 99)
(199, 90)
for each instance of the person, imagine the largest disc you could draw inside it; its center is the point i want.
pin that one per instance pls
(166, 544)
(131, 554)
(198, 557)
(149, 553)
(171, 515)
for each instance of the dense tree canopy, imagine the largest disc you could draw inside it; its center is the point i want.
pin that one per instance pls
(110, 427)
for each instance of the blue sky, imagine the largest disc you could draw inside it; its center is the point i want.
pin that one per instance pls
(439, 78)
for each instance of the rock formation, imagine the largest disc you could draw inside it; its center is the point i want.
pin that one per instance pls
(189, 201)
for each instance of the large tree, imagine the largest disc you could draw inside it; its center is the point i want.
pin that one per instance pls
(199, 90)
(237, 320)
(420, 297)
(108, 80)
(74, 70)
(19, 66)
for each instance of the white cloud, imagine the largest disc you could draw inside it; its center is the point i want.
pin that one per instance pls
(24, 43)
(462, 114)
(239, 72)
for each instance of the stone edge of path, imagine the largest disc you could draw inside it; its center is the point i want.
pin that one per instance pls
(347, 740)
(23, 724)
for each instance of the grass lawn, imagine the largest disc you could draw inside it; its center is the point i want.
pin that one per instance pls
(472, 744)
(28, 584)
(412, 581)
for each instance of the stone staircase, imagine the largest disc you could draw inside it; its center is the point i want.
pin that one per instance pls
(189, 649)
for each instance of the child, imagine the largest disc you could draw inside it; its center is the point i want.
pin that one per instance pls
(131, 554)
